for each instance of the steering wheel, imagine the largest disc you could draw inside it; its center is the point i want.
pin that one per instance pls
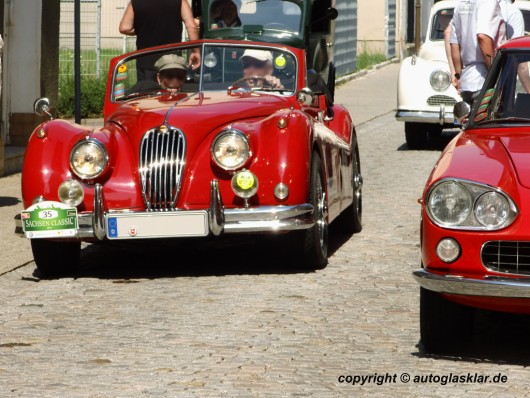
(248, 79)
(276, 25)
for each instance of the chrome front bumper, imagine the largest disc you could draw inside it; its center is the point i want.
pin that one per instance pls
(490, 287)
(435, 117)
(220, 220)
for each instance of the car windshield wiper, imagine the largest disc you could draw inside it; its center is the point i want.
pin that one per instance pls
(141, 93)
(279, 90)
(512, 119)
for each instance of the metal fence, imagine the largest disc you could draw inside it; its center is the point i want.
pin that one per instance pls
(345, 52)
(100, 37)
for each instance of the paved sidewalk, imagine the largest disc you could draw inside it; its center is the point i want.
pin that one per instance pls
(368, 95)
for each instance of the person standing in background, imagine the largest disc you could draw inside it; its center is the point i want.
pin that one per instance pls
(477, 29)
(156, 23)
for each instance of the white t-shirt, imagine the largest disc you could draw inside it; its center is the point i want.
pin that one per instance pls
(514, 19)
(470, 18)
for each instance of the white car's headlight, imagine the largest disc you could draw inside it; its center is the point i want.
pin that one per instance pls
(460, 204)
(88, 159)
(440, 80)
(230, 149)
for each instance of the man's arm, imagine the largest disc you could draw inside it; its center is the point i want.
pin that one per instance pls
(127, 21)
(457, 63)
(487, 48)
(193, 32)
(447, 35)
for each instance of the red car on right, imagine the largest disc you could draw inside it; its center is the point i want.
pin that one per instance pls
(475, 224)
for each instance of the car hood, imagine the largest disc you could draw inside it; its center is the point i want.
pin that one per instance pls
(496, 160)
(196, 114)
(433, 51)
(518, 148)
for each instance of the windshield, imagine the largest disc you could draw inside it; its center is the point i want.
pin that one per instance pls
(238, 67)
(439, 22)
(506, 95)
(271, 14)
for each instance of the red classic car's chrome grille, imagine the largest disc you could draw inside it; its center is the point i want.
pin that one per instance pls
(441, 99)
(162, 158)
(507, 256)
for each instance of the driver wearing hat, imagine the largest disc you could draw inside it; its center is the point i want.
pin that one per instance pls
(258, 63)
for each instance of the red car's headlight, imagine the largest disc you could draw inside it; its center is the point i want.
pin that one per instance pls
(230, 149)
(88, 159)
(460, 204)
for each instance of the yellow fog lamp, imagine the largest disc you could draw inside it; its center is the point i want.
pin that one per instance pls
(71, 193)
(245, 184)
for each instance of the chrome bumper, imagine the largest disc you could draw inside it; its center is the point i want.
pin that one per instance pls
(220, 220)
(435, 117)
(490, 287)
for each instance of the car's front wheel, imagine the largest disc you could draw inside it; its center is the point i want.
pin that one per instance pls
(445, 326)
(54, 258)
(350, 221)
(313, 242)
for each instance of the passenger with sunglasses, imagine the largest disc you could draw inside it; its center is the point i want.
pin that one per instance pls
(171, 72)
(258, 63)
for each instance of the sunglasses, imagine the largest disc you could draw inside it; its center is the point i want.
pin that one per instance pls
(173, 74)
(249, 63)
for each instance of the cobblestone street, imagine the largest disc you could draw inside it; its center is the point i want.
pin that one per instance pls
(231, 321)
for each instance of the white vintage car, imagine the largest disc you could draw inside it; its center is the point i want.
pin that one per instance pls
(425, 96)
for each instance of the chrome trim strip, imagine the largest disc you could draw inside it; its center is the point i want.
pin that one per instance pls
(216, 217)
(491, 287)
(99, 216)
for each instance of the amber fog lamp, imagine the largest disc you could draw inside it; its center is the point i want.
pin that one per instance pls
(245, 184)
(71, 193)
(448, 250)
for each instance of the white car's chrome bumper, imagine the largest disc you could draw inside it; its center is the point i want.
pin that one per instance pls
(440, 117)
(94, 225)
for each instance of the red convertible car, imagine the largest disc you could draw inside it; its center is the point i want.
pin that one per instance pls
(475, 228)
(197, 153)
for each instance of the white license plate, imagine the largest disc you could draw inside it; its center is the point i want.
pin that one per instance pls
(157, 225)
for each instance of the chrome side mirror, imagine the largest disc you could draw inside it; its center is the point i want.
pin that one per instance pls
(305, 96)
(42, 107)
(461, 112)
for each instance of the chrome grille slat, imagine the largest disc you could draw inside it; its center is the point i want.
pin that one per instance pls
(512, 257)
(441, 99)
(162, 160)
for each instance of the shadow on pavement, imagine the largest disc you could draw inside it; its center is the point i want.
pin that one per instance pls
(437, 143)
(499, 338)
(150, 259)
(6, 201)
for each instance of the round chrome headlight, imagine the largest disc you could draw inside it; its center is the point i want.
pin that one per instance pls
(440, 80)
(88, 159)
(449, 203)
(492, 210)
(230, 150)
